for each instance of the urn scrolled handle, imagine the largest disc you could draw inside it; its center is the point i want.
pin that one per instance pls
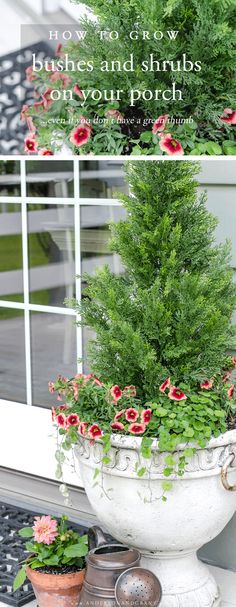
(224, 472)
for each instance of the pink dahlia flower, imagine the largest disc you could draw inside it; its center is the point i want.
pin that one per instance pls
(171, 146)
(207, 384)
(117, 426)
(166, 384)
(176, 394)
(160, 124)
(80, 135)
(231, 391)
(45, 530)
(229, 116)
(116, 393)
(131, 415)
(146, 416)
(137, 428)
(94, 431)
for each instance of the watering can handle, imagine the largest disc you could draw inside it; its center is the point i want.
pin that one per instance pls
(96, 537)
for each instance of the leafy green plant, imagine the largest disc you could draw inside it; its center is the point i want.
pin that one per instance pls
(52, 545)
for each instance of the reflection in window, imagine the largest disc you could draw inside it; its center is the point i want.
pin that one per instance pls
(53, 178)
(53, 345)
(11, 273)
(12, 355)
(51, 245)
(10, 178)
(101, 179)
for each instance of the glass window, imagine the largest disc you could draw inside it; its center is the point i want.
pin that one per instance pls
(50, 178)
(101, 179)
(12, 355)
(53, 347)
(10, 178)
(11, 272)
(51, 246)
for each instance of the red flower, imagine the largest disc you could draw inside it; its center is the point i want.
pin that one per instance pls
(60, 76)
(58, 50)
(83, 428)
(130, 391)
(31, 144)
(229, 116)
(30, 74)
(61, 420)
(45, 152)
(94, 431)
(160, 124)
(131, 415)
(51, 387)
(176, 394)
(119, 415)
(233, 361)
(231, 391)
(137, 428)
(78, 91)
(63, 407)
(117, 426)
(166, 384)
(170, 145)
(53, 414)
(93, 378)
(47, 99)
(80, 135)
(207, 384)
(146, 416)
(116, 393)
(73, 419)
(226, 376)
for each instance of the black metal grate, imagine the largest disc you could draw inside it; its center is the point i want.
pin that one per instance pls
(12, 552)
(16, 91)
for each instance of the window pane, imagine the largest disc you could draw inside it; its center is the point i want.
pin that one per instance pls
(10, 178)
(12, 355)
(51, 245)
(50, 178)
(53, 348)
(11, 273)
(101, 179)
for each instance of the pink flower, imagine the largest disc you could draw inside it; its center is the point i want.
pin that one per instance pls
(80, 135)
(29, 72)
(119, 415)
(60, 76)
(63, 407)
(45, 530)
(115, 114)
(94, 431)
(47, 99)
(160, 124)
(38, 105)
(207, 384)
(229, 116)
(78, 91)
(53, 414)
(61, 420)
(30, 124)
(233, 361)
(130, 391)
(176, 394)
(45, 152)
(73, 419)
(166, 384)
(170, 145)
(93, 378)
(131, 415)
(226, 376)
(117, 426)
(231, 391)
(51, 387)
(24, 112)
(83, 428)
(31, 144)
(58, 50)
(146, 416)
(137, 428)
(116, 393)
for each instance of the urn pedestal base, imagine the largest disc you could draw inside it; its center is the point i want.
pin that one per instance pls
(186, 581)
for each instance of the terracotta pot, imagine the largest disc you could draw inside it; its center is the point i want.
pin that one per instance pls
(52, 590)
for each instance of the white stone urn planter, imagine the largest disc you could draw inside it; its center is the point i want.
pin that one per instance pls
(168, 534)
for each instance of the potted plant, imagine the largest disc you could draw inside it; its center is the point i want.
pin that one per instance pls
(56, 563)
(93, 104)
(153, 425)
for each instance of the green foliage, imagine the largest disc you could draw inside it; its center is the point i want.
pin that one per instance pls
(67, 548)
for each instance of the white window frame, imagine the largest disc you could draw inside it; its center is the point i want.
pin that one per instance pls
(31, 446)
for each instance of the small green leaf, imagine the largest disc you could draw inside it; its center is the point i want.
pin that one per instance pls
(106, 460)
(19, 579)
(76, 550)
(146, 136)
(166, 485)
(141, 472)
(96, 473)
(52, 560)
(26, 532)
